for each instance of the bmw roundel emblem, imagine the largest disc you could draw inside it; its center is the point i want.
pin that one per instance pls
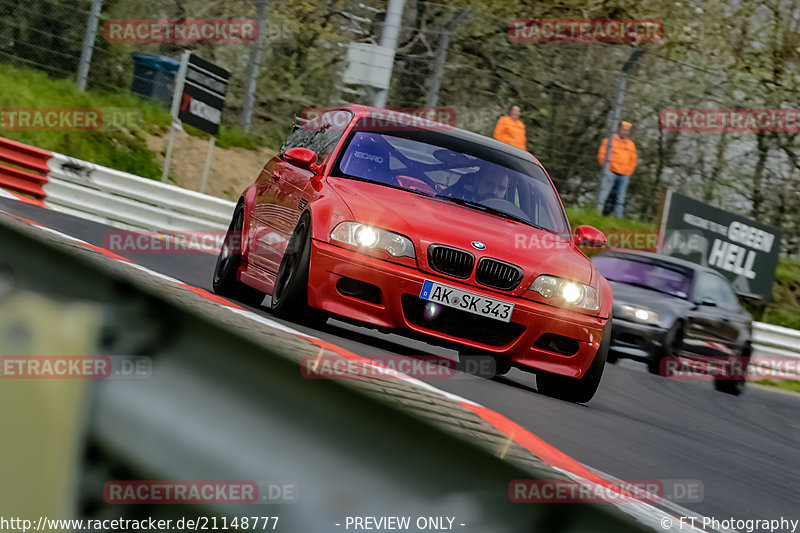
(478, 245)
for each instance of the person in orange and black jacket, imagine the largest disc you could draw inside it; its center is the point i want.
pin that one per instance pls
(511, 130)
(620, 168)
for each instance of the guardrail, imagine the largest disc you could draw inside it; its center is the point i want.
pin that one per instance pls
(127, 200)
(24, 168)
(771, 341)
(106, 195)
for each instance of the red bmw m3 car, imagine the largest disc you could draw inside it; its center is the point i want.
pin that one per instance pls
(425, 230)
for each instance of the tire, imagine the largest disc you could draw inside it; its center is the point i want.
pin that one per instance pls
(577, 390)
(735, 387)
(611, 358)
(290, 294)
(503, 366)
(670, 348)
(228, 263)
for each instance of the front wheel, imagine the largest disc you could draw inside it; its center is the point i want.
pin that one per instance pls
(670, 349)
(734, 387)
(735, 381)
(228, 263)
(577, 390)
(290, 294)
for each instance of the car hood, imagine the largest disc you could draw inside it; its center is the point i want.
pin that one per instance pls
(659, 302)
(427, 221)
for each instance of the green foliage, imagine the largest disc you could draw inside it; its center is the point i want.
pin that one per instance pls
(790, 385)
(609, 225)
(123, 149)
(784, 310)
(235, 137)
(231, 137)
(589, 217)
(45, 34)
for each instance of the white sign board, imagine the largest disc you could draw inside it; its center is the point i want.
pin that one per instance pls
(369, 64)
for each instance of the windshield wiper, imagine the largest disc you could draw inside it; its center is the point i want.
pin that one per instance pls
(399, 188)
(491, 210)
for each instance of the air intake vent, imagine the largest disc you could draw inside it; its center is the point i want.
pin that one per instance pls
(497, 274)
(461, 324)
(450, 261)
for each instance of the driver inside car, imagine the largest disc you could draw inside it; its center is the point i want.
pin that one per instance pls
(480, 186)
(490, 185)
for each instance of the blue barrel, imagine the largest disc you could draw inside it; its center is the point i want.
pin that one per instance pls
(154, 77)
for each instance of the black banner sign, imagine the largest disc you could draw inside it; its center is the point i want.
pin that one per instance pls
(203, 95)
(743, 250)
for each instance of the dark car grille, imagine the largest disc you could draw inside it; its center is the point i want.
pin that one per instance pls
(450, 261)
(461, 324)
(497, 274)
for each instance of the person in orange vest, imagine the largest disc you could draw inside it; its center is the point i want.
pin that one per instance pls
(511, 130)
(620, 167)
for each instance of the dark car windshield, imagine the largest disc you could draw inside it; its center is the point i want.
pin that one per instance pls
(467, 173)
(658, 276)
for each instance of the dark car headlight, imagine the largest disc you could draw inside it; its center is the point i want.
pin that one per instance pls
(566, 293)
(369, 237)
(636, 313)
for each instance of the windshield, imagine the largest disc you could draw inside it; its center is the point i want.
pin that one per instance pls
(473, 176)
(673, 281)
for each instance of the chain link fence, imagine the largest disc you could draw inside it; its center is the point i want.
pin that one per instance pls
(45, 35)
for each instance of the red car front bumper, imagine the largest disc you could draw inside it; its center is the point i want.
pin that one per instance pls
(400, 287)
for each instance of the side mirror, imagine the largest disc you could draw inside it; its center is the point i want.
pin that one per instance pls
(589, 236)
(709, 302)
(302, 157)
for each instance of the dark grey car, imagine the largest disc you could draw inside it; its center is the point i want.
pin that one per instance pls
(670, 309)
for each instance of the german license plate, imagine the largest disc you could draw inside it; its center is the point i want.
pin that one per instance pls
(466, 301)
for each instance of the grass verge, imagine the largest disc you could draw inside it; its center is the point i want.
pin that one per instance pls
(790, 385)
(122, 147)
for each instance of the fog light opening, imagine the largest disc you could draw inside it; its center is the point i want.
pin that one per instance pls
(359, 289)
(559, 344)
(432, 310)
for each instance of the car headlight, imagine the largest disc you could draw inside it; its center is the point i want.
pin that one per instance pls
(372, 238)
(566, 293)
(638, 314)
